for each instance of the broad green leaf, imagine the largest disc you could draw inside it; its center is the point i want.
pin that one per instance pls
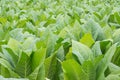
(114, 69)
(17, 34)
(29, 45)
(38, 65)
(14, 45)
(13, 56)
(51, 44)
(96, 49)
(97, 15)
(43, 40)
(63, 33)
(81, 51)
(112, 77)
(76, 30)
(3, 20)
(97, 60)
(117, 17)
(7, 67)
(60, 53)
(69, 54)
(23, 66)
(38, 58)
(108, 32)
(116, 57)
(95, 29)
(59, 44)
(105, 62)
(105, 45)
(87, 40)
(38, 73)
(116, 36)
(90, 70)
(50, 21)
(30, 27)
(9, 56)
(3, 71)
(21, 23)
(73, 71)
(111, 18)
(52, 65)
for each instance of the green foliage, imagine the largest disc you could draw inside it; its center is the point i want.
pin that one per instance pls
(59, 40)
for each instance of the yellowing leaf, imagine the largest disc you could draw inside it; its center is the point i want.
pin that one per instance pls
(87, 39)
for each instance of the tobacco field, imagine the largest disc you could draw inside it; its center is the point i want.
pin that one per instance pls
(59, 39)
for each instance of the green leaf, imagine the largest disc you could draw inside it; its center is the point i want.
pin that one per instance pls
(7, 67)
(90, 70)
(76, 30)
(50, 21)
(38, 65)
(38, 58)
(113, 77)
(87, 40)
(96, 49)
(108, 32)
(2, 34)
(81, 51)
(60, 53)
(116, 57)
(117, 17)
(23, 66)
(3, 72)
(29, 45)
(114, 69)
(21, 23)
(3, 20)
(63, 32)
(105, 45)
(17, 34)
(52, 67)
(38, 73)
(9, 56)
(73, 71)
(116, 36)
(105, 62)
(14, 45)
(69, 54)
(13, 56)
(51, 44)
(94, 28)
(30, 27)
